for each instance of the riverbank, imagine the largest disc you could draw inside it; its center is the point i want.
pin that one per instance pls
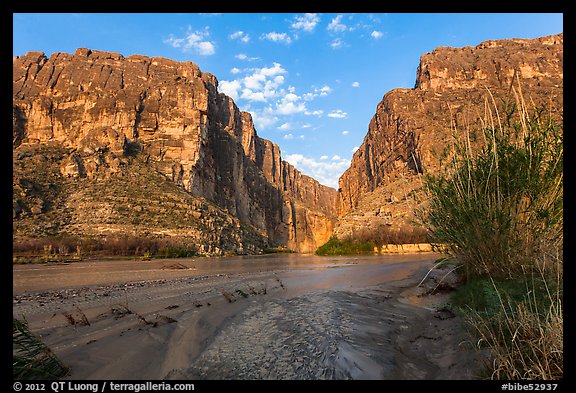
(280, 317)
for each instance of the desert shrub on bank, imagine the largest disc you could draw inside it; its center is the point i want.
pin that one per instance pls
(497, 208)
(364, 240)
(335, 246)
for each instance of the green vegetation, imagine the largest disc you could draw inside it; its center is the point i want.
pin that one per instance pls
(31, 359)
(520, 321)
(496, 208)
(176, 252)
(335, 246)
(364, 240)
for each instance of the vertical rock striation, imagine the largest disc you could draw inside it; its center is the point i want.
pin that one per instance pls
(105, 109)
(411, 127)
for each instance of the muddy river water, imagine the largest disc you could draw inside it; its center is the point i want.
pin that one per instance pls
(283, 316)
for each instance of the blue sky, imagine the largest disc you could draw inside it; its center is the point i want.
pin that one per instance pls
(311, 81)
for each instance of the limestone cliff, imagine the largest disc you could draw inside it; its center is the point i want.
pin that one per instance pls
(98, 117)
(411, 127)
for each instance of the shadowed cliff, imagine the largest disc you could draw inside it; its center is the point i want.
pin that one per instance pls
(96, 131)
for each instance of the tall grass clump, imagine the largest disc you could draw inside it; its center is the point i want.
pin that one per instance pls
(496, 204)
(525, 335)
(496, 207)
(31, 358)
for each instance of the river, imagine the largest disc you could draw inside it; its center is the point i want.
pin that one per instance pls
(281, 316)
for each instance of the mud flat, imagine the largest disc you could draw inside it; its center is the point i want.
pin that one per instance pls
(271, 317)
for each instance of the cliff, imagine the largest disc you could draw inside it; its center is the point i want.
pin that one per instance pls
(97, 131)
(411, 127)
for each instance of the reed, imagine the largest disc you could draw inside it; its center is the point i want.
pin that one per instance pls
(496, 207)
(497, 202)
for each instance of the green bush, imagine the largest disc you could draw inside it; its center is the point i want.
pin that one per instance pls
(497, 203)
(496, 207)
(335, 246)
(176, 252)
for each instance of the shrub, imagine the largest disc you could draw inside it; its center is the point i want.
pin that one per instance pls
(498, 206)
(335, 246)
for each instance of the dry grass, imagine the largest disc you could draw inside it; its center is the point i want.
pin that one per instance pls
(525, 338)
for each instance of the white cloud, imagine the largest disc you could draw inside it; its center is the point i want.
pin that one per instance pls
(288, 137)
(318, 112)
(193, 41)
(301, 136)
(240, 36)
(264, 119)
(205, 48)
(338, 114)
(345, 132)
(335, 25)
(376, 34)
(284, 107)
(261, 85)
(336, 158)
(306, 22)
(250, 95)
(291, 97)
(243, 56)
(285, 127)
(274, 70)
(254, 81)
(324, 90)
(306, 125)
(277, 37)
(230, 88)
(235, 71)
(337, 43)
(326, 172)
(354, 149)
(355, 84)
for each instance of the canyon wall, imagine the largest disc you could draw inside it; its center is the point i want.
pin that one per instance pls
(411, 127)
(99, 117)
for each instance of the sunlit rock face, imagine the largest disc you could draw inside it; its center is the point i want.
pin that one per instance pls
(91, 116)
(411, 127)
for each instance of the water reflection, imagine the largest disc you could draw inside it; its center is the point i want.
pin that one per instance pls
(51, 276)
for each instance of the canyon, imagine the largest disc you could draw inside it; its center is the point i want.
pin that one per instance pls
(105, 144)
(110, 145)
(455, 90)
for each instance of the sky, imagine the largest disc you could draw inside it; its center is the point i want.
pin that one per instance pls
(311, 81)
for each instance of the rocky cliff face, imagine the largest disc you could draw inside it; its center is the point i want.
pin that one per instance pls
(92, 118)
(411, 127)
